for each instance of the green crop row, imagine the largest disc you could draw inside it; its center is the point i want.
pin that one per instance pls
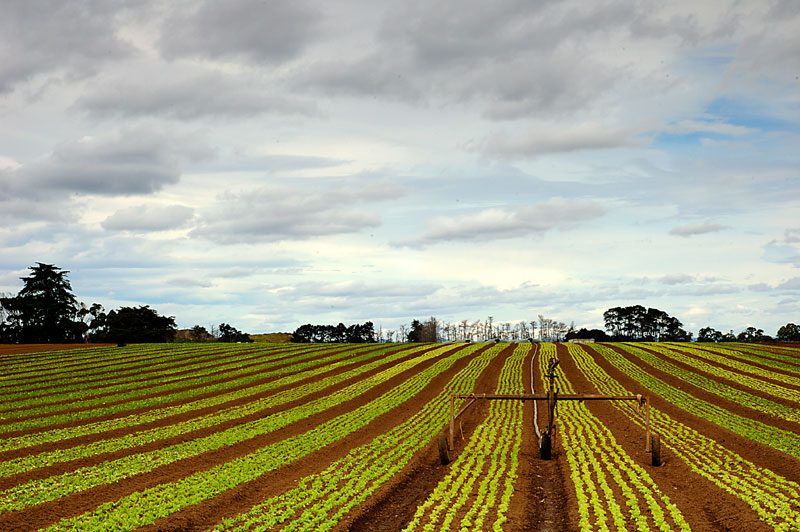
(320, 500)
(136, 400)
(749, 369)
(135, 357)
(51, 488)
(774, 498)
(77, 390)
(147, 506)
(598, 465)
(486, 468)
(295, 373)
(144, 437)
(745, 353)
(722, 390)
(782, 440)
(31, 362)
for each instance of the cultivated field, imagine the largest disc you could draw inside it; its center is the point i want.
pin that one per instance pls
(257, 437)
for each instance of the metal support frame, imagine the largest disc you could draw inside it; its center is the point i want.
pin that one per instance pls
(552, 397)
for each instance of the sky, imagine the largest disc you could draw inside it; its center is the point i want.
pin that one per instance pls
(272, 163)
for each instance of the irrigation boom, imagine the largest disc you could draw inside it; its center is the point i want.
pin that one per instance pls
(652, 441)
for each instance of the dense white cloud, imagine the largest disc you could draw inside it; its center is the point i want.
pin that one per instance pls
(274, 163)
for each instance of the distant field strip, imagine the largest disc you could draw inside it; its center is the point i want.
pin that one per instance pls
(147, 506)
(320, 501)
(775, 499)
(224, 366)
(782, 440)
(77, 390)
(231, 391)
(753, 354)
(720, 389)
(135, 400)
(754, 372)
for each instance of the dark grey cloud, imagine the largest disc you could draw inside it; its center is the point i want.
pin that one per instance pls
(518, 59)
(696, 229)
(42, 36)
(281, 212)
(189, 96)
(147, 218)
(508, 222)
(132, 161)
(677, 278)
(189, 282)
(258, 31)
(543, 140)
(790, 284)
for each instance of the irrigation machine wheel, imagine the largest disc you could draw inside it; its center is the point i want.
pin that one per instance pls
(545, 446)
(444, 454)
(655, 450)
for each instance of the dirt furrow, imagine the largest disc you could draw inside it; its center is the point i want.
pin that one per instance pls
(47, 513)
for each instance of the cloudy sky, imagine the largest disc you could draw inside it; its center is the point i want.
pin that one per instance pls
(273, 163)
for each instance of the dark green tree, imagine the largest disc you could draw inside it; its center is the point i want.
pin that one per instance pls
(752, 334)
(134, 325)
(45, 310)
(789, 333)
(709, 334)
(228, 333)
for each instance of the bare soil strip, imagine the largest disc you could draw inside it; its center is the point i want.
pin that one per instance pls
(176, 419)
(700, 393)
(704, 505)
(145, 396)
(721, 380)
(759, 353)
(767, 369)
(38, 375)
(393, 505)
(157, 374)
(539, 502)
(258, 359)
(212, 511)
(761, 455)
(18, 349)
(45, 514)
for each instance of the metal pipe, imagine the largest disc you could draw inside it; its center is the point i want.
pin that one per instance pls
(544, 397)
(452, 420)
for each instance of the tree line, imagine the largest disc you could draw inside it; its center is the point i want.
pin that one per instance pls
(46, 311)
(354, 334)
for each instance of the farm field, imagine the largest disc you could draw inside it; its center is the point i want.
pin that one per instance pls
(291, 437)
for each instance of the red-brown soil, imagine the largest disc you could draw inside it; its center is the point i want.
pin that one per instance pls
(13, 349)
(172, 420)
(171, 374)
(394, 504)
(243, 497)
(47, 513)
(543, 500)
(705, 506)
